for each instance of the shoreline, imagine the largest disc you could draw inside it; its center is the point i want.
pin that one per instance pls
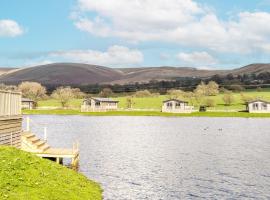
(147, 113)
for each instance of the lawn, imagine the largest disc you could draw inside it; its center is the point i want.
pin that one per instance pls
(145, 113)
(155, 103)
(25, 176)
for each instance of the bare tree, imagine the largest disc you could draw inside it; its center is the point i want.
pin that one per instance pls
(106, 92)
(143, 93)
(63, 95)
(175, 94)
(8, 87)
(129, 102)
(212, 88)
(228, 98)
(32, 90)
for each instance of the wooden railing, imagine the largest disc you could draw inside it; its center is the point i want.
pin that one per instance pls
(10, 103)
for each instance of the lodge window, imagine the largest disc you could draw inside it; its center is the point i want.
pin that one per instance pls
(255, 106)
(97, 103)
(177, 105)
(264, 106)
(169, 105)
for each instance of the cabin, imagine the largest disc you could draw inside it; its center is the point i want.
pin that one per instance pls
(95, 104)
(258, 106)
(10, 118)
(28, 104)
(176, 106)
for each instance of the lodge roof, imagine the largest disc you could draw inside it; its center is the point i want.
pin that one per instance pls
(258, 100)
(176, 100)
(27, 100)
(102, 99)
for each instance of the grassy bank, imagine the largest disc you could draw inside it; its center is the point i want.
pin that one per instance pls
(155, 103)
(144, 113)
(25, 176)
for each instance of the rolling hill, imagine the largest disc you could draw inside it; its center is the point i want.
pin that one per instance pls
(83, 74)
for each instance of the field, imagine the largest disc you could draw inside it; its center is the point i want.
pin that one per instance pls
(25, 176)
(155, 103)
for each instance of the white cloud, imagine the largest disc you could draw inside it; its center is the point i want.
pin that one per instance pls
(197, 58)
(114, 56)
(10, 28)
(178, 21)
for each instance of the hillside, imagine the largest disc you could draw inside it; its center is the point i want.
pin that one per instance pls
(4, 70)
(62, 74)
(83, 74)
(252, 69)
(25, 176)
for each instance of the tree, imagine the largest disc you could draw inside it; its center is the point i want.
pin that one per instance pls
(212, 88)
(106, 92)
(64, 95)
(228, 98)
(201, 89)
(129, 102)
(32, 90)
(8, 87)
(175, 94)
(143, 93)
(210, 102)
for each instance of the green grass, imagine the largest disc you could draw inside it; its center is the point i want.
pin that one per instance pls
(27, 177)
(155, 103)
(145, 113)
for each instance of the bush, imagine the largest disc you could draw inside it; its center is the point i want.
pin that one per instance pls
(32, 90)
(143, 93)
(237, 88)
(210, 103)
(63, 95)
(106, 92)
(228, 98)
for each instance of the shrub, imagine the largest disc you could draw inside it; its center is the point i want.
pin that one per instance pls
(210, 103)
(143, 93)
(228, 98)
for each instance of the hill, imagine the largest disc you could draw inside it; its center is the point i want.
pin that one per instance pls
(4, 70)
(84, 74)
(62, 74)
(25, 176)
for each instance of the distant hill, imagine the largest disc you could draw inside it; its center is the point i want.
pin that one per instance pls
(252, 69)
(4, 70)
(83, 74)
(62, 74)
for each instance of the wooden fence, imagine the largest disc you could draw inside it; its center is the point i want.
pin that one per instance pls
(10, 103)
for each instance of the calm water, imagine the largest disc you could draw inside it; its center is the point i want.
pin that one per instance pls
(168, 158)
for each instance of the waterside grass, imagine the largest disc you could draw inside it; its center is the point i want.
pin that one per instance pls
(25, 176)
(146, 113)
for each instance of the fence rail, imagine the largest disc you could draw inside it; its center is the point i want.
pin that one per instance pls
(10, 103)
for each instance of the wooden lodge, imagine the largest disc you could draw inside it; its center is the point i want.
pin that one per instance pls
(28, 104)
(95, 104)
(176, 106)
(258, 106)
(12, 134)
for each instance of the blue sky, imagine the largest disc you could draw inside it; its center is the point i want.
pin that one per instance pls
(121, 33)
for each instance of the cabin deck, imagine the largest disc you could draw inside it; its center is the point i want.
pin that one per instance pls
(40, 147)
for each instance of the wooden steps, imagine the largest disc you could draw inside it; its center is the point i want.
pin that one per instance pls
(33, 144)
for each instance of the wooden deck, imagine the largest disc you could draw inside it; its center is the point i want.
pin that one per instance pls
(31, 143)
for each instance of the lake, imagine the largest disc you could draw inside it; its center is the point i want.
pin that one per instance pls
(168, 158)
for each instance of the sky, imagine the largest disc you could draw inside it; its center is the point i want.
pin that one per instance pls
(206, 34)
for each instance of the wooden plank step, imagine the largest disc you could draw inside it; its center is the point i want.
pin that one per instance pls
(39, 143)
(33, 139)
(28, 135)
(44, 147)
